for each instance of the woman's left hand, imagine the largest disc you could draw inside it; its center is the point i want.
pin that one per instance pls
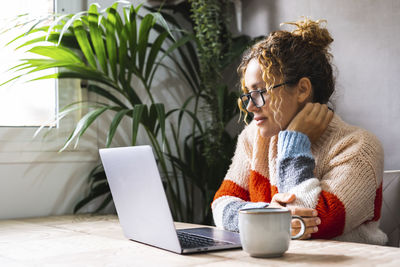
(309, 216)
(312, 120)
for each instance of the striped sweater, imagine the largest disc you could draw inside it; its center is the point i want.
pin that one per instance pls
(340, 176)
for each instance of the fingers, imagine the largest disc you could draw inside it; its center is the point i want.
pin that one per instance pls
(310, 220)
(313, 221)
(283, 198)
(307, 233)
(303, 212)
(308, 108)
(315, 111)
(320, 116)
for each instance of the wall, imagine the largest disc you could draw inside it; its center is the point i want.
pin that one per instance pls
(36, 180)
(366, 54)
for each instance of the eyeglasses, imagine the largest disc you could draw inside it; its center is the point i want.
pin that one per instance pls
(256, 96)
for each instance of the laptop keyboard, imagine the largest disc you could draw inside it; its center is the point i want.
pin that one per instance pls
(194, 241)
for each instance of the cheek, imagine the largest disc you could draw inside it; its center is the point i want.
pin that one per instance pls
(287, 107)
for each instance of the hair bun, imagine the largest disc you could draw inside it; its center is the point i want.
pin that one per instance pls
(312, 32)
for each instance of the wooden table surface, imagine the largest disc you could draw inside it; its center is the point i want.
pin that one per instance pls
(85, 240)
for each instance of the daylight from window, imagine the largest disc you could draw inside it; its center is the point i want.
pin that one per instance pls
(23, 103)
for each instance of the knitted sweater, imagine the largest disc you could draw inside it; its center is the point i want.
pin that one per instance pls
(340, 176)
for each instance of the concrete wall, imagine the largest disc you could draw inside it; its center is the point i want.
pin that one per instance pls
(366, 54)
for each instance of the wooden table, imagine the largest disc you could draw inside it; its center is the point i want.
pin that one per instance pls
(85, 240)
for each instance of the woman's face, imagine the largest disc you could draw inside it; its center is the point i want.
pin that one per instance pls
(264, 116)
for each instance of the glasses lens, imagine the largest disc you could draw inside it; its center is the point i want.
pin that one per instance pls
(257, 98)
(245, 101)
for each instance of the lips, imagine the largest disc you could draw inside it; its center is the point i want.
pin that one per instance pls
(259, 119)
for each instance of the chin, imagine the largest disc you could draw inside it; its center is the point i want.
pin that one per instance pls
(266, 133)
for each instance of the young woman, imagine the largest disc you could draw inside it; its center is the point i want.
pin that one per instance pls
(296, 152)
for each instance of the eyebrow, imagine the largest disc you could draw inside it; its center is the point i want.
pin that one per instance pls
(254, 85)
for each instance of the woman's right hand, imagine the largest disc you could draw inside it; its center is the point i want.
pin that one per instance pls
(312, 120)
(309, 216)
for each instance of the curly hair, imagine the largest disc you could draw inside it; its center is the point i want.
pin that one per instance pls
(292, 56)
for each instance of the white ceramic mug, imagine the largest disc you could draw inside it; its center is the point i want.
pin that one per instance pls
(266, 232)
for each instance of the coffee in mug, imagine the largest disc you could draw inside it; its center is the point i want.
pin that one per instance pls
(266, 232)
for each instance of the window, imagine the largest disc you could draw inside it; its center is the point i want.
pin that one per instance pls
(24, 104)
(17, 143)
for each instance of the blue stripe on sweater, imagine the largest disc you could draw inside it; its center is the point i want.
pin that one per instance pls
(295, 162)
(230, 215)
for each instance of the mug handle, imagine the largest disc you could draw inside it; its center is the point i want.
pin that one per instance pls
(302, 229)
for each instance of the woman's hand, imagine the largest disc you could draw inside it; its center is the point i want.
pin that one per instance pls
(309, 216)
(312, 120)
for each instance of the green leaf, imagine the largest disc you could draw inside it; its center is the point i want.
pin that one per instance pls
(159, 107)
(139, 111)
(35, 24)
(79, 73)
(145, 26)
(54, 24)
(114, 125)
(98, 191)
(96, 37)
(81, 37)
(105, 203)
(132, 35)
(56, 53)
(98, 169)
(69, 23)
(111, 44)
(114, 16)
(82, 125)
(160, 19)
(24, 34)
(104, 93)
(185, 39)
(138, 8)
(151, 119)
(123, 57)
(68, 41)
(182, 110)
(50, 65)
(155, 49)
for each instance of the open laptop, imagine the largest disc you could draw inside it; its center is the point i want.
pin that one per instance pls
(142, 206)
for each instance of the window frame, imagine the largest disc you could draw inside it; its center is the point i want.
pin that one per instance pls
(18, 144)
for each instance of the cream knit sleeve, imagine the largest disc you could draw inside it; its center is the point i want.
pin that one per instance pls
(233, 193)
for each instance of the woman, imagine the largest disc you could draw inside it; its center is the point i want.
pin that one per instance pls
(296, 152)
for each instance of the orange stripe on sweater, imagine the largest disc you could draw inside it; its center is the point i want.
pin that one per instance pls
(274, 190)
(378, 204)
(229, 188)
(332, 213)
(260, 188)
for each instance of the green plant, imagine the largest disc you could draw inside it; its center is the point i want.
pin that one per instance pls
(207, 150)
(108, 52)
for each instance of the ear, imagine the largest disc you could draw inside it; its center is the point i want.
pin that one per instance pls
(304, 90)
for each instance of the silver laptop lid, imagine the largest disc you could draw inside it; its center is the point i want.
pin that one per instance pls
(139, 196)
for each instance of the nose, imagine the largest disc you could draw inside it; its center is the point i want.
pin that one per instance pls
(251, 107)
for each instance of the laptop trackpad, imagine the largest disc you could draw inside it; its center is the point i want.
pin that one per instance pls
(215, 234)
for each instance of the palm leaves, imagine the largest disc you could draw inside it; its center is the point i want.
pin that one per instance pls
(108, 51)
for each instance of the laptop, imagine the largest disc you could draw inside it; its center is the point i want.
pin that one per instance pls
(142, 205)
